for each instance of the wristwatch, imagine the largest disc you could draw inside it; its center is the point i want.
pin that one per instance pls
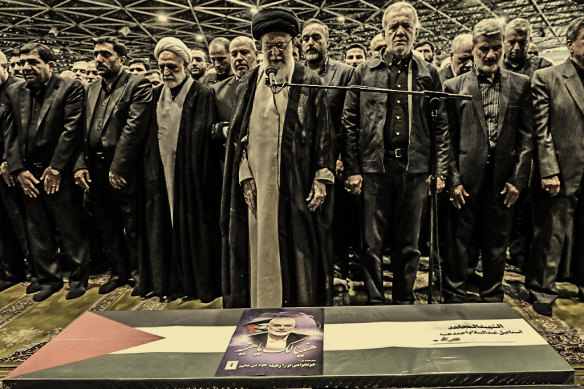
(54, 172)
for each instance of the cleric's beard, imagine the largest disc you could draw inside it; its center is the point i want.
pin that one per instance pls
(285, 66)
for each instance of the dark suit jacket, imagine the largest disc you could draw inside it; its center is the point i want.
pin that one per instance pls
(336, 74)
(125, 124)
(446, 74)
(558, 97)
(262, 339)
(224, 92)
(57, 133)
(468, 132)
(3, 101)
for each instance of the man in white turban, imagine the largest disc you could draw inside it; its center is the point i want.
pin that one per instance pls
(183, 183)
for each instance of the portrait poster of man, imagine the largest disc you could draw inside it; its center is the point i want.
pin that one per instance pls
(275, 342)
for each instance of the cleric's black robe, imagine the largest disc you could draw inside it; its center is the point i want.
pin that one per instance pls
(304, 237)
(184, 259)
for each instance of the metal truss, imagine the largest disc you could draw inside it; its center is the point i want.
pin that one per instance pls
(70, 25)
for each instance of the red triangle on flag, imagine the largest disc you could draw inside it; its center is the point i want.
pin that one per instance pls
(89, 336)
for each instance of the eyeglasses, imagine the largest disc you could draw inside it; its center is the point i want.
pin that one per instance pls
(278, 45)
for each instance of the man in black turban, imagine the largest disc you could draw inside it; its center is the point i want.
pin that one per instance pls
(276, 206)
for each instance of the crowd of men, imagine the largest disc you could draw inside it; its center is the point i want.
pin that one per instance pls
(212, 177)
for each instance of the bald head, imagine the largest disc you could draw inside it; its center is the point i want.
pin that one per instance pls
(243, 55)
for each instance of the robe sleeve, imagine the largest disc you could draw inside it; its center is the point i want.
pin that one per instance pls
(244, 170)
(325, 175)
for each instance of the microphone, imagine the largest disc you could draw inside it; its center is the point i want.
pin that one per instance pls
(271, 72)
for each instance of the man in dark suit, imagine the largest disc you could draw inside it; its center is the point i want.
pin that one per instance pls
(386, 153)
(517, 38)
(117, 114)
(559, 121)
(43, 131)
(460, 58)
(13, 244)
(315, 43)
(491, 137)
(279, 335)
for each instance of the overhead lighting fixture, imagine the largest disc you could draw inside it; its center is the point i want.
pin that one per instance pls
(163, 18)
(341, 19)
(199, 38)
(54, 32)
(253, 11)
(125, 31)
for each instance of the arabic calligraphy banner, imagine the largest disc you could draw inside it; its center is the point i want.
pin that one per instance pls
(275, 342)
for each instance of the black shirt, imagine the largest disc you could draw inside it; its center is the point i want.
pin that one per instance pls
(396, 131)
(97, 121)
(580, 71)
(37, 96)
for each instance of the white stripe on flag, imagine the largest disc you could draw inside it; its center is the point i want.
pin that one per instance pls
(359, 336)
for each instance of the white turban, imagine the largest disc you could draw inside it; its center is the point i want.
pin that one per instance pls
(176, 46)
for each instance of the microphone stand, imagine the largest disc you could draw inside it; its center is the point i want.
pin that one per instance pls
(434, 98)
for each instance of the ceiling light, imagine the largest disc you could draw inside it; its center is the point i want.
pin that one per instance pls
(199, 38)
(253, 11)
(163, 18)
(341, 19)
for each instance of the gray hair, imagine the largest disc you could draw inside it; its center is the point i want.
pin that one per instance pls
(396, 7)
(574, 29)
(520, 25)
(487, 28)
(459, 40)
(320, 23)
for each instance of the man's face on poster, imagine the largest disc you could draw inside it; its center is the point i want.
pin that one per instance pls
(281, 327)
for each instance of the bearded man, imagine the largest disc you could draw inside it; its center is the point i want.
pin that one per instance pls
(183, 182)
(275, 219)
(117, 112)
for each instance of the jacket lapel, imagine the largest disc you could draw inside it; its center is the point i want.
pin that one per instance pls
(329, 74)
(505, 84)
(49, 98)
(115, 97)
(573, 83)
(477, 99)
(25, 108)
(92, 95)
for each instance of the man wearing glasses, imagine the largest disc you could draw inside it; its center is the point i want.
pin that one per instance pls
(276, 215)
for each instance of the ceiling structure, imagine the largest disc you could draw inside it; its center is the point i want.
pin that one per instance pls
(69, 25)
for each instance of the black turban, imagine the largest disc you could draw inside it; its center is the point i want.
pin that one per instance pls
(274, 19)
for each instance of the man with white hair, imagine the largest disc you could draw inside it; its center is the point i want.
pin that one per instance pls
(386, 153)
(183, 184)
(117, 113)
(460, 57)
(491, 137)
(79, 69)
(517, 40)
(275, 215)
(242, 54)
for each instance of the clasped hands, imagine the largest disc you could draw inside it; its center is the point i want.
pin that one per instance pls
(315, 197)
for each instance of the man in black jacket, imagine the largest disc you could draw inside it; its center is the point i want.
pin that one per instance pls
(116, 123)
(386, 153)
(559, 119)
(43, 130)
(491, 146)
(13, 244)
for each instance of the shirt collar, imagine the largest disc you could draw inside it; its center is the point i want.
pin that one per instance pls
(579, 70)
(511, 66)
(483, 77)
(41, 89)
(390, 59)
(114, 85)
